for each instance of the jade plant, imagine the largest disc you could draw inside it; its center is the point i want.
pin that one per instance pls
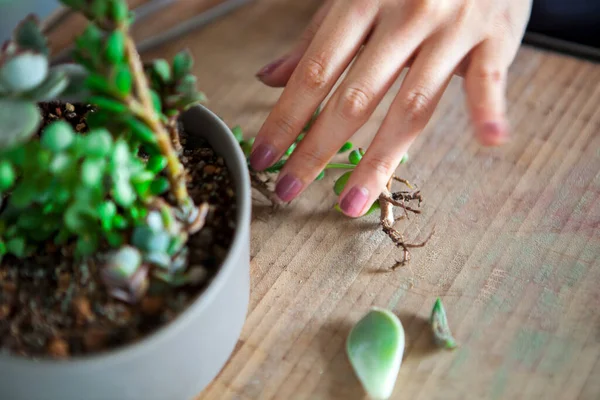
(115, 193)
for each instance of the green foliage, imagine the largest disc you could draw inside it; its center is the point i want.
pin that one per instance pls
(25, 79)
(174, 84)
(78, 188)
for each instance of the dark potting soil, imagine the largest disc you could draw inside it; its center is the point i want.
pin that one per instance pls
(51, 307)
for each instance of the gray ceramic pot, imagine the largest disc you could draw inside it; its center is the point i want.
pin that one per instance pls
(179, 360)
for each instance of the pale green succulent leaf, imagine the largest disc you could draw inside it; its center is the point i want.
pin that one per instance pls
(375, 347)
(442, 335)
(20, 120)
(24, 71)
(76, 76)
(55, 83)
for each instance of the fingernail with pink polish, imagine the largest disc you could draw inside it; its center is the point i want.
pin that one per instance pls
(262, 157)
(354, 201)
(270, 68)
(288, 188)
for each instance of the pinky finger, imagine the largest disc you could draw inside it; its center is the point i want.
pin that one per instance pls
(485, 84)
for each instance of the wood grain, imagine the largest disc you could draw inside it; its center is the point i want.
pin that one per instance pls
(516, 257)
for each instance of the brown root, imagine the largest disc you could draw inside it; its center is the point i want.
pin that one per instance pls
(402, 199)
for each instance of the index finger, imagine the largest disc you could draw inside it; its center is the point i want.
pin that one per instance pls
(335, 44)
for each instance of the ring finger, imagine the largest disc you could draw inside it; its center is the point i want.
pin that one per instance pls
(408, 115)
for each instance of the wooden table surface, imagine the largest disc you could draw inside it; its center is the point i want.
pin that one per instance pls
(516, 256)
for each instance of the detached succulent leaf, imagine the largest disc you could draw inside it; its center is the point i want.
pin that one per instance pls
(375, 347)
(24, 71)
(439, 324)
(20, 120)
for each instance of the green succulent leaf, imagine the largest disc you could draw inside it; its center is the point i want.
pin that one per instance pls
(156, 101)
(162, 69)
(141, 130)
(404, 159)
(123, 263)
(77, 217)
(16, 246)
(98, 9)
(97, 83)
(123, 80)
(54, 84)
(20, 120)
(24, 71)
(157, 163)
(106, 212)
(341, 182)
(7, 175)
(97, 143)
(115, 47)
(439, 324)
(92, 172)
(108, 104)
(148, 240)
(347, 146)
(374, 207)
(57, 136)
(375, 347)
(182, 64)
(354, 157)
(238, 133)
(159, 186)
(119, 10)
(320, 176)
(123, 193)
(28, 35)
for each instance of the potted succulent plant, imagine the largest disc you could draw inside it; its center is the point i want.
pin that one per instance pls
(124, 221)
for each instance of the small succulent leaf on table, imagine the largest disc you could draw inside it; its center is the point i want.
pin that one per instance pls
(375, 347)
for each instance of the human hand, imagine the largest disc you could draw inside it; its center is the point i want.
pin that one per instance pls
(477, 39)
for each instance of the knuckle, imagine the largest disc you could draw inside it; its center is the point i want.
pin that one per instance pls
(314, 73)
(430, 9)
(416, 105)
(286, 126)
(354, 103)
(307, 158)
(490, 74)
(381, 164)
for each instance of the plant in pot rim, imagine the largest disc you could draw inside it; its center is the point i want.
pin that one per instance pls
(116, 214)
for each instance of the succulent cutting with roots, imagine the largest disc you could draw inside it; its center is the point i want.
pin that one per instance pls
(408, 201)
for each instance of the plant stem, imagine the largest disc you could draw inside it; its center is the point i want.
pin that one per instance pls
(340, 166)
(175, 170)
(172, 128)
